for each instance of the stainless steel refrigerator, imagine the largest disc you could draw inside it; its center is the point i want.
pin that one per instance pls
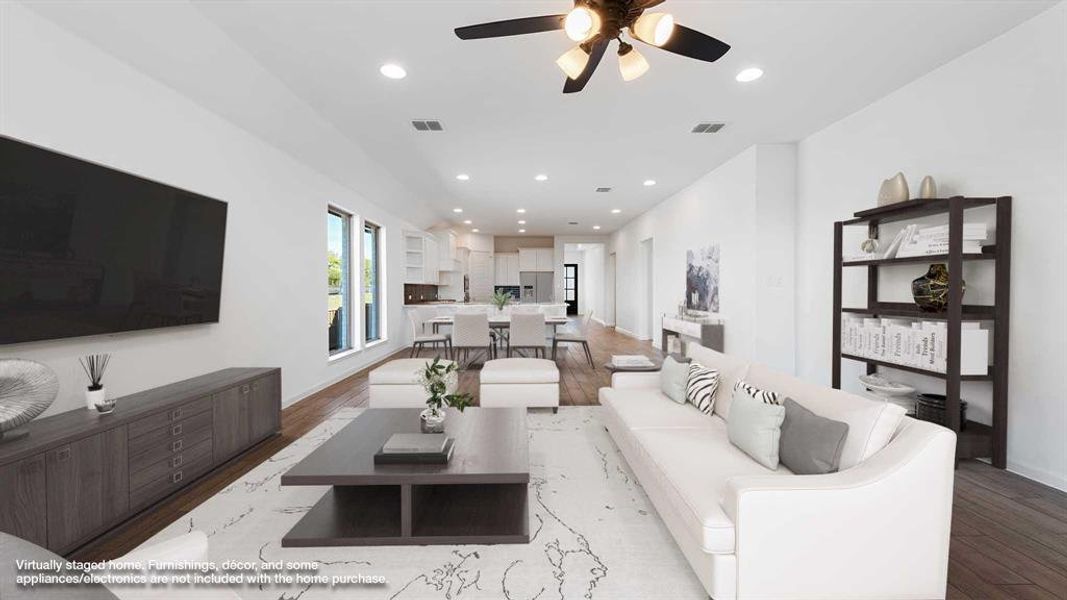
(536, 287)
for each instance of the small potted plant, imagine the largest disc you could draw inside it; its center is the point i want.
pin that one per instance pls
(500, 300)
(439, 380)
(94, 366)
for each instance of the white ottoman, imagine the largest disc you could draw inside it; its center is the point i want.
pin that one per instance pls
(520, 382)
(396, 384)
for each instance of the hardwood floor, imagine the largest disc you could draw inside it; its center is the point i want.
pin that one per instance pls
(1009, 534)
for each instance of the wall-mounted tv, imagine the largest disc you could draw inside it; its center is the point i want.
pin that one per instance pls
(88, 250)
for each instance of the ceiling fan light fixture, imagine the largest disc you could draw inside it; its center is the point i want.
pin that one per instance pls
(573, 61)
(653, 28)
(581, 24)
(631, 64)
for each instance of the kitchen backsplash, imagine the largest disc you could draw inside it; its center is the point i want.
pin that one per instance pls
(415, 293)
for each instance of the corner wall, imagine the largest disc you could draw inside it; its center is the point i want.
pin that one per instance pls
(60, 92)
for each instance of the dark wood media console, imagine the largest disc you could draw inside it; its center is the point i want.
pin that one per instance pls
(78, 474)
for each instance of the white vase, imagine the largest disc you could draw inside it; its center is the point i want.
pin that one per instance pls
(927, 189)
(94, 397)
(893, 190)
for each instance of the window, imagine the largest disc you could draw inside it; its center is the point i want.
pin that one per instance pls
(372, 296)
(338, 257)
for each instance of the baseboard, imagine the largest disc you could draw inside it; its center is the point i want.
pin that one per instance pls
(602, 322)
(629, 333)
(345, 375)
(1039, 475)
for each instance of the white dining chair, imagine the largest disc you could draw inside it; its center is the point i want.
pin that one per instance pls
(417, 318)
(527, 332)
(472, 331)
(578, 337)
(525, 309)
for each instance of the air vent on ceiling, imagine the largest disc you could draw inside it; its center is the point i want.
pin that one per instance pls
(708, 127)
(603, 190)
(572, 222)
(427, 125)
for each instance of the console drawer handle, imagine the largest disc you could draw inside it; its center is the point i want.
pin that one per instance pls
(244, 389)
(176, 445)
(176, 462)
(63, 454)
(175, 478)
(175, 414)
(177, 429)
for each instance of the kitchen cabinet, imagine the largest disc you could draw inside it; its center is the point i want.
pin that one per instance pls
(22, 500)
(264, 407)
(536, 260)
(446, 248)
(507, 266)
(87, 487)
(422, 258)
(230, 410)
(545, 259)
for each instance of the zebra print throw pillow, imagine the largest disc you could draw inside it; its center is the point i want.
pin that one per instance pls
(764, 396)
(700, 387)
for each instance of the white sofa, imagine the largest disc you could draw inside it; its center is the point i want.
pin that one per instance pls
(878, 528)
(526, 382)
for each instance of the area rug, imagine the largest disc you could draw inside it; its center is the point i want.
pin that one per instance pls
(594, 533)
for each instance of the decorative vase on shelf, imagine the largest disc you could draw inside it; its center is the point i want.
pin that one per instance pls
(927, 188)
(95, 399)
(432, 420)
(893, 190)
(931, 290)
(27, 389)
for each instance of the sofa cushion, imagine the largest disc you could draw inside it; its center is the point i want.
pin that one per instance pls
(700, 387)
(871, 424)
(649, 408)
(673, 376)
(730, 368)
(756, 427)
(811, 445)
(519, 370)
(692, 468)
(764, 396)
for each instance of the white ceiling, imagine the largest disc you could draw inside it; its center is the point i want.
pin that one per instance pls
(304, 76)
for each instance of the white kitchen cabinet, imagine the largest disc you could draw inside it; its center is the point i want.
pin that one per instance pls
(545, 258)
(506, 268)
(536, 260)
(432, 260)
(527, 259)
(446, 248)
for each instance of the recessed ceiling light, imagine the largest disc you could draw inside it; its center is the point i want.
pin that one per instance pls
(457, 210)
(475, 230)
(749, 74)
(463, 177)
(596, 226)
(467, 222)
(522, 222)
(522, 231)
(393, 71)
(541, 177)
(650, 182)
(520, 210)
(616, 211)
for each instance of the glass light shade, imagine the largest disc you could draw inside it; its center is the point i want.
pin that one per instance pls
(632, 65)
(653, 28)
(581, 23)
(573, 62)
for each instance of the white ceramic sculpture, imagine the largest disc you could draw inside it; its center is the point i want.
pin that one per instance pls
(893, 190)
(927, 189)
(27, 389)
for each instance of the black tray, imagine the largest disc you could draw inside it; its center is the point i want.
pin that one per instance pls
(416, 458)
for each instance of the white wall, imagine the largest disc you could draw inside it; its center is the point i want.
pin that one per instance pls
(590, 259)
(991, 122)
(745, 206)
(62, 93)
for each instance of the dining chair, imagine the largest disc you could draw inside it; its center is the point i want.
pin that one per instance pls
(527, 332)
(525, 309)
(472, 331)
(418, 317)
(578, 337)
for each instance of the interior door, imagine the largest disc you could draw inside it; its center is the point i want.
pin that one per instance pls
(570, 288)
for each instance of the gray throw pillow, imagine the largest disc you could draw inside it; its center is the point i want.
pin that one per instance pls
(810, 444)
(672, 378)
(755, 427)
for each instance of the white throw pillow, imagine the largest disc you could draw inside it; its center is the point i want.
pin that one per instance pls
(673, 378)
(700, 387)
(756, 427)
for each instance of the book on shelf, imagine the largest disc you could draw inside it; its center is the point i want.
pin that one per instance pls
(915, 343)
(928, 248)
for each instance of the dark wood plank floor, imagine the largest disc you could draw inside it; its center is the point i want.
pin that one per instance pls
(1009, 534)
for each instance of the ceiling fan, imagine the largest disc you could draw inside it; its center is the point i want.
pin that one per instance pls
(594, 23)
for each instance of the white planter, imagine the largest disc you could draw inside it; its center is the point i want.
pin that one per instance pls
(94, 397)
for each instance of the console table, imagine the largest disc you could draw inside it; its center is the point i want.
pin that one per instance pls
(710, 334)
(79, 473)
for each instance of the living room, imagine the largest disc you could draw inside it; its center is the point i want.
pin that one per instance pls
(772, 192)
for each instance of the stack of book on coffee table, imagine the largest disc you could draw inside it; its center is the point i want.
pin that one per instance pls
(415, 448)
(631, 361)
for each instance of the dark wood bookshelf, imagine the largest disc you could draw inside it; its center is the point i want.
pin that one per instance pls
(976, 440)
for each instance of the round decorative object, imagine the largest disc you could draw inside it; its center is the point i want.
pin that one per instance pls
(931, 407)
(432, 420)
(893, 190)
(931, 290)
(884, 387)
(869, 246)
(928, 188)
(27, 389)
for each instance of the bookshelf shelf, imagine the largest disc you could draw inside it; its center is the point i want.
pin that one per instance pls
(976, 440)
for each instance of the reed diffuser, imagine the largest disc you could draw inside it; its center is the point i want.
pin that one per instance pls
(94, 366)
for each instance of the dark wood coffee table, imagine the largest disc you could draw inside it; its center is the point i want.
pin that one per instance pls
(479, 497)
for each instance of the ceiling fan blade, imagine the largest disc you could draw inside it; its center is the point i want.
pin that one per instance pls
(692, 43)
(510, 27)
(595, 54)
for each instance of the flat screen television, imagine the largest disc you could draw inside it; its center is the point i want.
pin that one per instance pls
(88, 250)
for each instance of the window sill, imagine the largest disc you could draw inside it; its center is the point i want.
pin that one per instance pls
(377, 342)
(344, 354)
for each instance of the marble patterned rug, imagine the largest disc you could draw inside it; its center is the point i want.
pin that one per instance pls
(594, 533)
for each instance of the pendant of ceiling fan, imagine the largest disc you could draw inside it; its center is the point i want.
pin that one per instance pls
(594, 23)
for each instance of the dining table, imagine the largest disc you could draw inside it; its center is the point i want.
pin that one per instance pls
(499, 322)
